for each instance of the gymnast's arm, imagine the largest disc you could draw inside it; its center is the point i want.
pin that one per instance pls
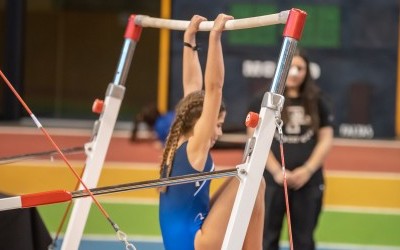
(200, 143)
(192, 75)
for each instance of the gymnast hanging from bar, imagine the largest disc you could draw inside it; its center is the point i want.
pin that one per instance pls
(189, 218)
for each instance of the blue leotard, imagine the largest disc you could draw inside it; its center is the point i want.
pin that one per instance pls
(184, 207)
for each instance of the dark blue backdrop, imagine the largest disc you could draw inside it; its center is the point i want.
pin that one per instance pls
(354, 43)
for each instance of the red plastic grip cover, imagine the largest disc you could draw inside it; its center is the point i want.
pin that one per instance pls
(133, 31)
(43, 198)
(295, 24)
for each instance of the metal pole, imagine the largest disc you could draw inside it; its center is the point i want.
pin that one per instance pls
(251, 171)
(104, 127)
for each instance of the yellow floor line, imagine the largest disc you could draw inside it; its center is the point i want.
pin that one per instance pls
(347, 189)
(362, 191)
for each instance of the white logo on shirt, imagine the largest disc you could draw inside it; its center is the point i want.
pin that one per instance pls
(297, 117)
(203, 183)
(199, 217)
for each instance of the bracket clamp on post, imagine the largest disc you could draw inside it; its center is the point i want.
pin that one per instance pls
(273, 101)
(248, 150)
(270, 100)
(241, 171)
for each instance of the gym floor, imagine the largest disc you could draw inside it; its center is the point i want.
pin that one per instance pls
(363, 183)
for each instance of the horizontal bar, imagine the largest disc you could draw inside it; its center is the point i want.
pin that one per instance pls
(156, 183)
(15, 158)
(58, 196)
(244, 23)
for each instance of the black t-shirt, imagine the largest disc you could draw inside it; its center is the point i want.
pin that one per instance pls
(299, 139)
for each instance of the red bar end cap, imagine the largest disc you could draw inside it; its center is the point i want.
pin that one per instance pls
(133, 31)
(295, 24)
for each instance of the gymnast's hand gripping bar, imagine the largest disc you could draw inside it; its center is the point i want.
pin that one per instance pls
(137, 22)
(244, 23)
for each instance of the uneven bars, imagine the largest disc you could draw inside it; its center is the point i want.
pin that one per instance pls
(244, 23)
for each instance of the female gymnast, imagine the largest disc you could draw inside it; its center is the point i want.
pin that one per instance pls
(189, 218)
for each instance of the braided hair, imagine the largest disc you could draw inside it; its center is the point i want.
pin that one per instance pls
(188, 111)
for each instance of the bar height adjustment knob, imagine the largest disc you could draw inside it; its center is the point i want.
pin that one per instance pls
(252, 119)
(97, 106)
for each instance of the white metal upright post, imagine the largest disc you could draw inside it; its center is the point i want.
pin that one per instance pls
(102, 136)
(251, 171)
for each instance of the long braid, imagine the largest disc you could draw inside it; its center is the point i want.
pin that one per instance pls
(170, 147)
(187, 112)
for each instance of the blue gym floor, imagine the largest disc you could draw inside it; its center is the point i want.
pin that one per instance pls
(156, 245)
